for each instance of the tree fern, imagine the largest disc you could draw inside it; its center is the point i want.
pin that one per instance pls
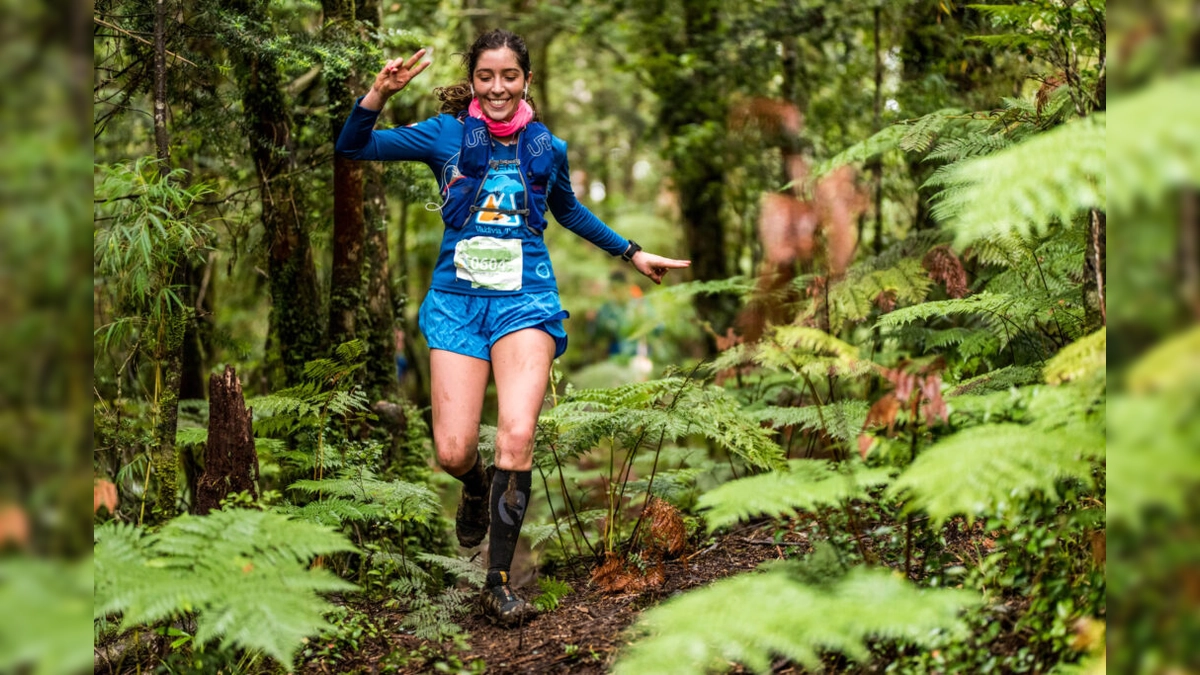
(805, 486)
(1049, 178)
(751, 618)
(988, 468)
(244, 574)
(667, 409)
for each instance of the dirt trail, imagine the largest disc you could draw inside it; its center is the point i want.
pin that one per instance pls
(586, 631)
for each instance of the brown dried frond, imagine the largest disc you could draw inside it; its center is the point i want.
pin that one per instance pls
(882, 413)
(666, 534)
(104, 493)
(1049, 85)
(616, 575)
(14, 526)
(769, 114)
(839, 202)
(946, 268)
(886, 300)
(605, 574)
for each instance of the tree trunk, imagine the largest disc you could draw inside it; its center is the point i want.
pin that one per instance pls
(1094, 287)
(230, 461)
(346, 273)
(380, 311)
(168, 353)
(295, 301)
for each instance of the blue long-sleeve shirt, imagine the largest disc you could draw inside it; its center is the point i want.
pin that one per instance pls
(494, 254)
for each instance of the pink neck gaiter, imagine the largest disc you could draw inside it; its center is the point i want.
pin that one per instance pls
(523, 116)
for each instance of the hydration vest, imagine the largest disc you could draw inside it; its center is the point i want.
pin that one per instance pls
(536, 157)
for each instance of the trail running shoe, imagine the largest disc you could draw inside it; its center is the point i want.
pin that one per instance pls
(471, 523)
(505, 607)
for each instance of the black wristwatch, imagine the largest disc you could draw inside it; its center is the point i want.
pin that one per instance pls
(627, 256)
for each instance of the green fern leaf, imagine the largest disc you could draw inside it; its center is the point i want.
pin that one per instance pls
(460, 567)
(243, 573)
(1048, 178)
(751, 618)
(842, 420)
(989, 468)
(1085, 358)
(806, 486)
(887, 138)
(406, 500)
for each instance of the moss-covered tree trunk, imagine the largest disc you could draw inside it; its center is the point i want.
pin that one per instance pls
(295, 300)
(168, 353)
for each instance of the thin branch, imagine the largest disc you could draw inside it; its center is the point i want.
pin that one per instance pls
(106, 24)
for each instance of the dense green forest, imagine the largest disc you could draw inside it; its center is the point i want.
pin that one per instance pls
(867, 431)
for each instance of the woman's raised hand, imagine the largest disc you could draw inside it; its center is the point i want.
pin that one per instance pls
(655, 266)
(395, 75)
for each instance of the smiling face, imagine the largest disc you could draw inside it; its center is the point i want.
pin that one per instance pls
(499, 83)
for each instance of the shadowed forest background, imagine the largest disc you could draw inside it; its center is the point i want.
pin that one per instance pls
(882, 384)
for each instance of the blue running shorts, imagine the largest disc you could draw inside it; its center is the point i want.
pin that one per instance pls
(471, 324)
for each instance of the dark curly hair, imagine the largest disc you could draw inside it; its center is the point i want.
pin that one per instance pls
(456, 97)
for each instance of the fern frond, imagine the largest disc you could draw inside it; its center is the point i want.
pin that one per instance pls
(841, 419)
(460, 567)
(751, 618)
(671, 485)
(922, 133)
(407, 500)
(537, 535)
(244, 574)
(1083, 359)
(887, 138)
(188, 436)
(334, 512)
(852, 299)
(986, 469)
(806, 485)
(670, 408)
(976, 144)
(1048, 178)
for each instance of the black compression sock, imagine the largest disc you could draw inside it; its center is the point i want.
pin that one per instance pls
(510, 497)
(475, 479)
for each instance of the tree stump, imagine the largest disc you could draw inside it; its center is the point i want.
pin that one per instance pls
(230, 461)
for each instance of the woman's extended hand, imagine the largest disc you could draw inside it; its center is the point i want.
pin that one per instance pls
(395, 75)
(655, 266)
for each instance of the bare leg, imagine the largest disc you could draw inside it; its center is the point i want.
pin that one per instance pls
(457, 385)
(522, 364)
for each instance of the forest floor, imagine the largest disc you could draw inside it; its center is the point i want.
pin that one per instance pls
(583, 635)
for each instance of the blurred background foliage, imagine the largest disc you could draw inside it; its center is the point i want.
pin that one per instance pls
(680, 116)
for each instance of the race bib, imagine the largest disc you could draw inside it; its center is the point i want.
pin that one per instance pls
(491, 263)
